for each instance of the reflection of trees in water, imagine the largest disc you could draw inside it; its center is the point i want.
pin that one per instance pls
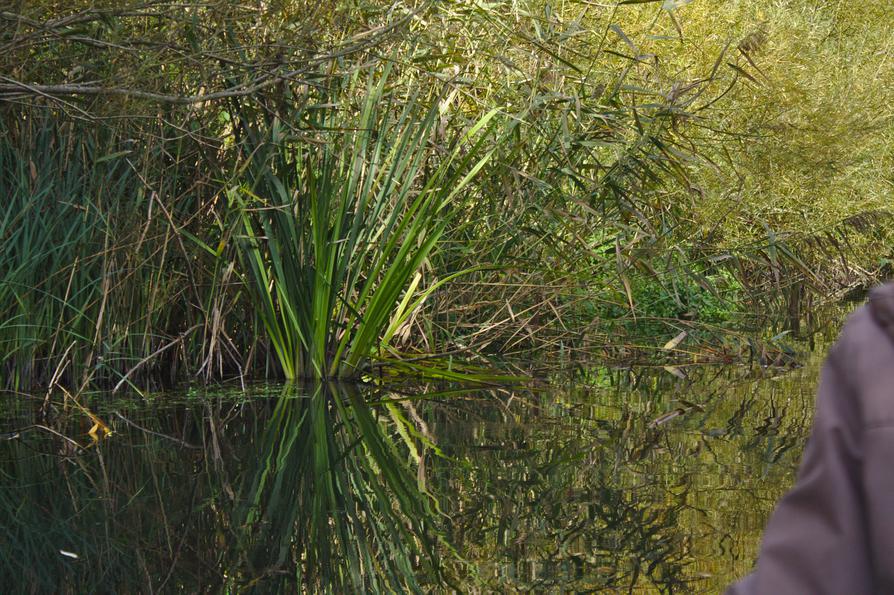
(550, 503)
(580, 489)
(311, 492)
(584, 490)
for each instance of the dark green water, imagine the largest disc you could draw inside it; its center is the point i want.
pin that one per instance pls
(625, 480)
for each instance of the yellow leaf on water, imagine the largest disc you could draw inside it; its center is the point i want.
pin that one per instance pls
(99, 429)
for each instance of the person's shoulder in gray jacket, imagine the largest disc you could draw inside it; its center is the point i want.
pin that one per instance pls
(834, 531)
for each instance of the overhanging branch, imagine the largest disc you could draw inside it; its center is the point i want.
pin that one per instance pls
(13, 88)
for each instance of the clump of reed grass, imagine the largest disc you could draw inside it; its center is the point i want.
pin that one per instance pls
(92, 278)
(332, 234)
(55, 261)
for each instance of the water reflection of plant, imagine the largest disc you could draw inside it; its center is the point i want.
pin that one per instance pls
(308, 492)
(332, 504)
(582, 489)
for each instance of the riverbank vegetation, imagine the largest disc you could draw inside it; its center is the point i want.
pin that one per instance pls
(286, 189)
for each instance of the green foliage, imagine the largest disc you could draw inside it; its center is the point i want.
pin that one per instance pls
(335, 234)
(217, 190)
(83, 292)
(801, 144)
(712, 302)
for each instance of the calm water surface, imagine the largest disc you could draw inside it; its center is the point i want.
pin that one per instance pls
(620, 481)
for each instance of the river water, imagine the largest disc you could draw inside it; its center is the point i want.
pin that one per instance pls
(619, 480)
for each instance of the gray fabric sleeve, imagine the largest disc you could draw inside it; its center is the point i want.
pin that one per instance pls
(816, 540)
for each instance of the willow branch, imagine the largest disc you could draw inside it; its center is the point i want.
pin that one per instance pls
(14, 87)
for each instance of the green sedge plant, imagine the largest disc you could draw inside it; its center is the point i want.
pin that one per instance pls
(333, 231)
